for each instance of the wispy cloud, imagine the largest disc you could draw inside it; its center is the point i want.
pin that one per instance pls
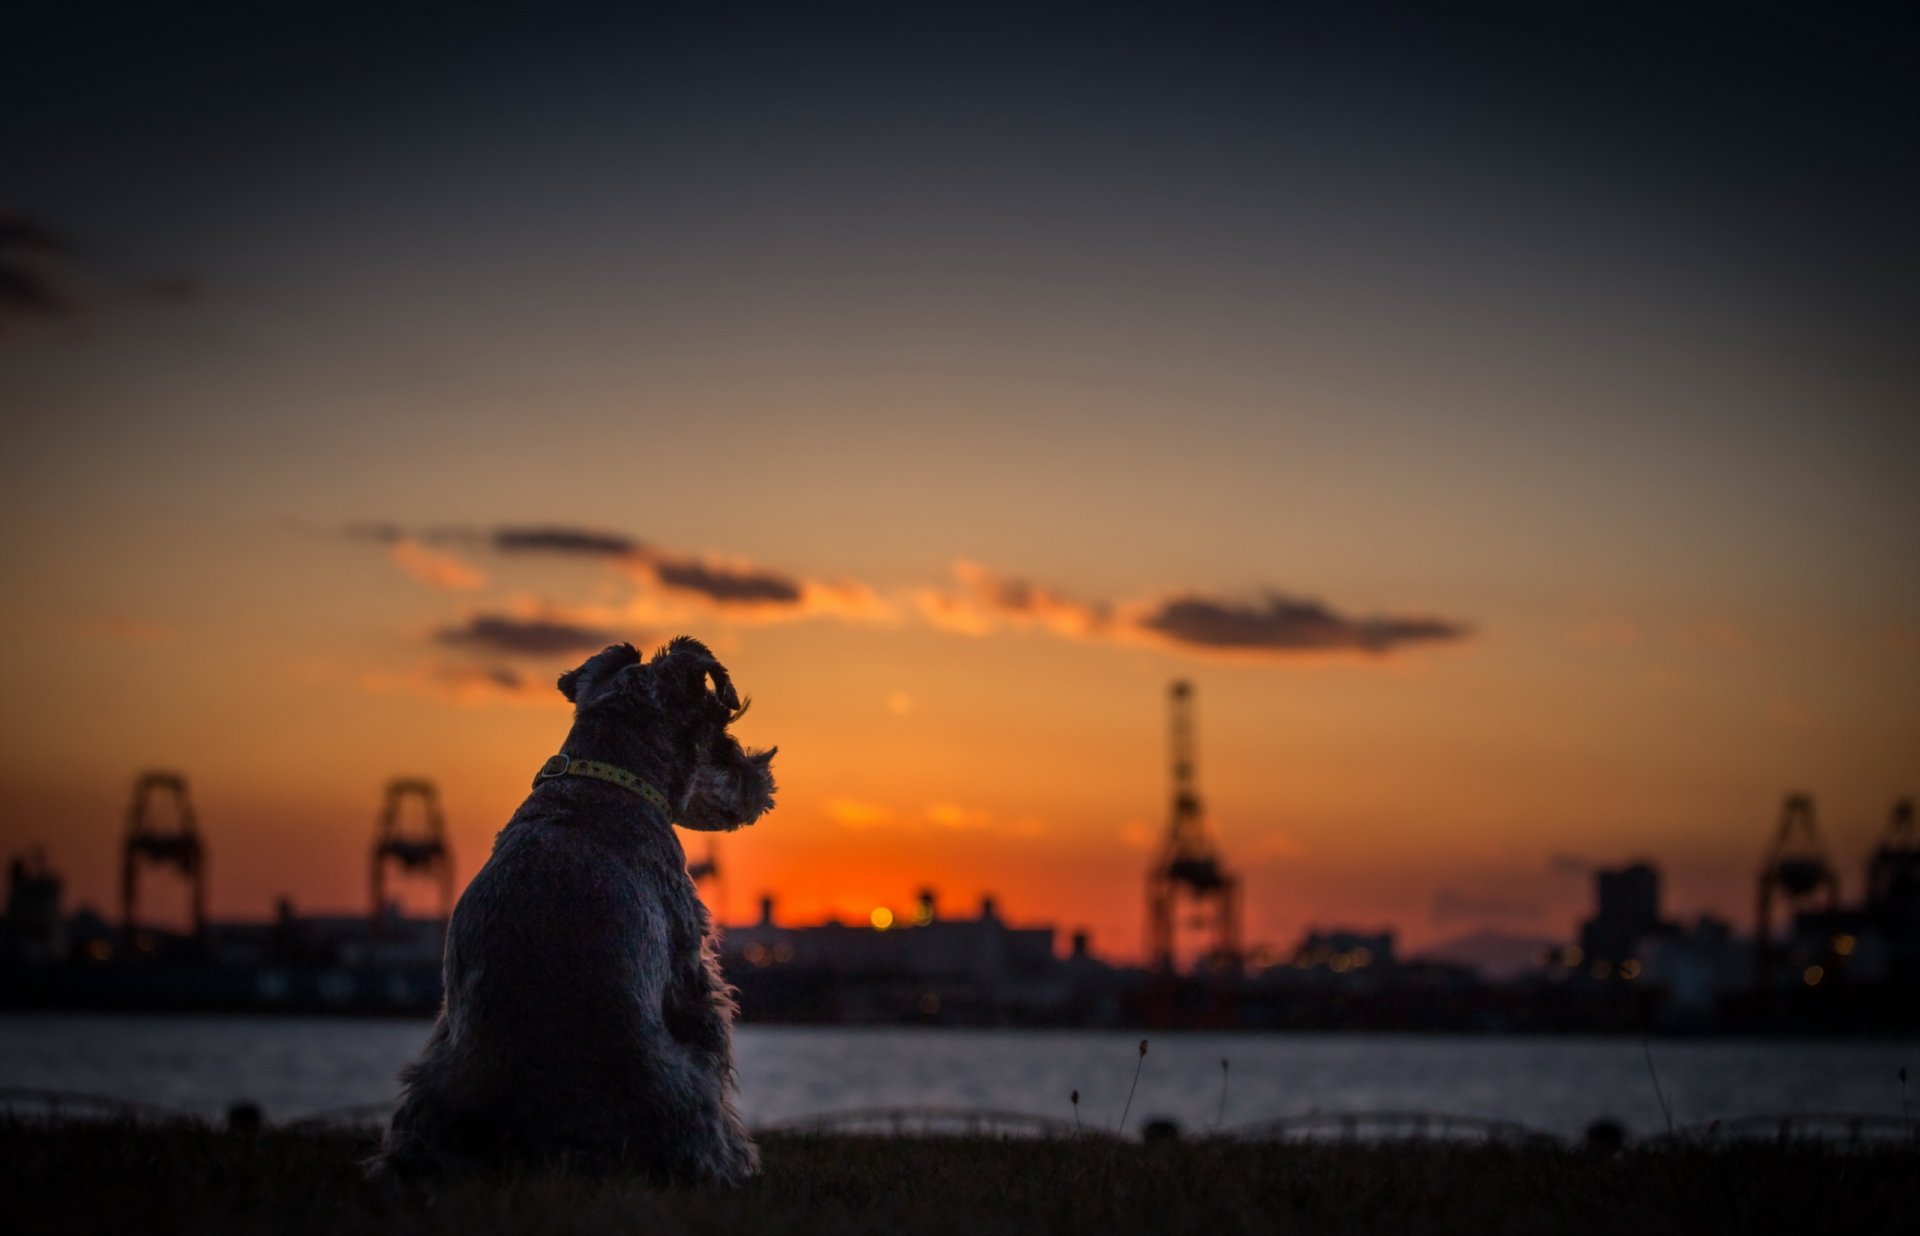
(1281, 624)
(435, 568)
(855, 814)
(981, 600)
(735, 589)
(513, 635)
(464, 684)
(720, 582)
(1565, 862)
(673, 587)
(30, 256)
(953, 816)
(561, 539)
(42, 278)
(858, 815)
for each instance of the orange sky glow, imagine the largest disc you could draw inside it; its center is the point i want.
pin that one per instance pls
(1522, 490)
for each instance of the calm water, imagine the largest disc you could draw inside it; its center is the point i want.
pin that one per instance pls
(294, 1067)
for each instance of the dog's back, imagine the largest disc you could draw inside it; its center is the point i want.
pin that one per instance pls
(586, 1021)
(558, 1039)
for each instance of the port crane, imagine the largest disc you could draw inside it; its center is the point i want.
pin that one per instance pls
(422, 852)
(148, 842)
(1188, 871)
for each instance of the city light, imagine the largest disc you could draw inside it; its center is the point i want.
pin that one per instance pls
(1813, 975)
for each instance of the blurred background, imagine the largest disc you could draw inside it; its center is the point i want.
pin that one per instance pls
(1499, 418)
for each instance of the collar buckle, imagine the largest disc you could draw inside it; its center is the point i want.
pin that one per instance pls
(556, 766)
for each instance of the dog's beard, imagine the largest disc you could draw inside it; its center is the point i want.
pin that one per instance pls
(729, 795)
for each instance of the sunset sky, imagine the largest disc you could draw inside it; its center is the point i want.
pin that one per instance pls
(1507, 421)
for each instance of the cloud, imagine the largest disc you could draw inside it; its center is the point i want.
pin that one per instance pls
(1571, 864)
(1282, 624)
(745, 591)
(732, 588)
(463, 684)
(674, 588)
(858, 815)
(560, 539)
(958, 818)
(378, 531)
(720, 582)
(41, 281)
(524, 636)
(30, 253)
(982, 600)
(434, 568)
(854, 814)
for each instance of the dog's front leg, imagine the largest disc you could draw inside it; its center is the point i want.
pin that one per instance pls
(700, 1005)
(700, 1011)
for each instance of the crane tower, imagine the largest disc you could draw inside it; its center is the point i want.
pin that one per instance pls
(1796, 871)
(179, 847)
(1893, 888)
(425, 853)
(1188, 870)
(1893, 873)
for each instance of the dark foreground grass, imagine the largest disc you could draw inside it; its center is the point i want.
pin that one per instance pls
(124, 1179)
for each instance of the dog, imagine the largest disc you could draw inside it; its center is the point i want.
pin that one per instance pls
(586, 1024)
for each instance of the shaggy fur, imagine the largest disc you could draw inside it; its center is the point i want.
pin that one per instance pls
(586, 1021)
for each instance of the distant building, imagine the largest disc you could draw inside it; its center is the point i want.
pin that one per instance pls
(921, 966)
(290, 938)
(1628, 913)
(1344, 952)
(1697, 969)
(34, 932)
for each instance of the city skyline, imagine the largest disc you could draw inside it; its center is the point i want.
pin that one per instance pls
(411, 892)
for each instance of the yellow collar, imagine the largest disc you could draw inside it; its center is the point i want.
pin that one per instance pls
(571, 766)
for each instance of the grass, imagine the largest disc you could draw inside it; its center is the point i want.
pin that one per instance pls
(78, 1178)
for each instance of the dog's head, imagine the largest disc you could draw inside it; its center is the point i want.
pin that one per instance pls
(716, 783)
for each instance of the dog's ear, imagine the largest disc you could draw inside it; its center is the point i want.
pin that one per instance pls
(683, 667)
(585, 681)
